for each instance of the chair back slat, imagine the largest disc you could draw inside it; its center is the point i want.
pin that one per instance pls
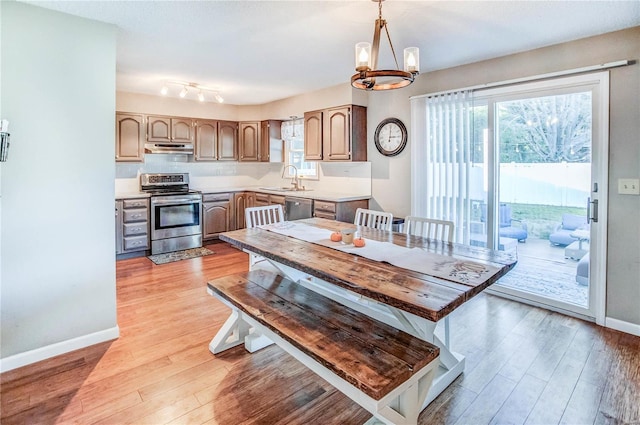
(258, 216)
(441, 230)
(374, 219)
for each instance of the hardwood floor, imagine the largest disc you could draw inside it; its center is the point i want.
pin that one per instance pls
(524, 366)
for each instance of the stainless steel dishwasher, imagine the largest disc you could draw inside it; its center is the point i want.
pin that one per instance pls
(297, 208)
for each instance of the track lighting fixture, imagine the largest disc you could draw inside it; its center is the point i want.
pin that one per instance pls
(199, 89)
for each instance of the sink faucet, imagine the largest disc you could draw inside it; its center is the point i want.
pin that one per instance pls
(294, 180)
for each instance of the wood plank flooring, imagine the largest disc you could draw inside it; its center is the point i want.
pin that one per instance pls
(524, 366)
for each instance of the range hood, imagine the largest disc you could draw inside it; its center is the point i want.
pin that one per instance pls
(169, 148)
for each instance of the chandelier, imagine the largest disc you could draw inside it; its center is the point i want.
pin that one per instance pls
(368, 77)
(194, 87)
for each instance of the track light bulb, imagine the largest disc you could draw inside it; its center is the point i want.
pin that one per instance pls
(200, 96)
(164, 90)
(183, 92)
(218, 98)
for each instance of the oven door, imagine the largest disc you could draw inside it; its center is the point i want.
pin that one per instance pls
(175, 215)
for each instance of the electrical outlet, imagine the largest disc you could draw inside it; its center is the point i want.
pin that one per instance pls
(629, 186)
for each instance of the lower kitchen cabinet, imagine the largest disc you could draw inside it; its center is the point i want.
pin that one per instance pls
(217, 214)
(243, 200)
(341, 211)
(132, 225)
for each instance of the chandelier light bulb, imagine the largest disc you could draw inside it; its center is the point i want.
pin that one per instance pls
(363, 56)
(183, 92)
(412, 60)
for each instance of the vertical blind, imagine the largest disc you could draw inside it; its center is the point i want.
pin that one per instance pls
(440, 167)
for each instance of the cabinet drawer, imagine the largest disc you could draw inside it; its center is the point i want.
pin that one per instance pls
(277, 199)
(325, 206)
(262, 197)
(322, 214)
(132, 229)
(135, 203)
(136, 243)
(215, 197)
(129, 216)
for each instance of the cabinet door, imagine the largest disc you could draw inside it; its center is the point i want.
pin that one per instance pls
(181, 130)
(265, 142)
(249, 141)
(158, 129)
(119, 227)
(206, 148)
(313, 136)
(227, 141)
(129, 137)
(217, 218)
(240, 204)
(336, 134)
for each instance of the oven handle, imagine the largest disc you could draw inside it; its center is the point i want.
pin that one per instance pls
(177, 201)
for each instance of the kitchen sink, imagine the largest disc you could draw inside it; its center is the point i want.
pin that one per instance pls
(284, 189)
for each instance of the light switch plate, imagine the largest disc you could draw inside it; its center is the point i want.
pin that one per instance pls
(629, 186)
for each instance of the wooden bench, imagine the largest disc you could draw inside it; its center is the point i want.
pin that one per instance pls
(385, 370)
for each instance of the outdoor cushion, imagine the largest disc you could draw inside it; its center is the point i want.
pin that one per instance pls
(582, 271)
(570, 222)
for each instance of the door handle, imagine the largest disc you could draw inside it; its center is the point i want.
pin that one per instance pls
(592, 210)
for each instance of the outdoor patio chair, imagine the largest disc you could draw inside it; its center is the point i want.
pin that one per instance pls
(509, 227)
(562, 234)
(582, 271)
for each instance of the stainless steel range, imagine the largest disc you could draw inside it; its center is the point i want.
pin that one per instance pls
(176, 212)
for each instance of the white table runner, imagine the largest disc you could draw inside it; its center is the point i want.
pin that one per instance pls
(415, 259)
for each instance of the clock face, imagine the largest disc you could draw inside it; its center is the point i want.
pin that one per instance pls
(390, 137)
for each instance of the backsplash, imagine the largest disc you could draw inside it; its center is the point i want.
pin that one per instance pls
(342, 178)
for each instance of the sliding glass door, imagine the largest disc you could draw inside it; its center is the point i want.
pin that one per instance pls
(522, 169)
(536, 198)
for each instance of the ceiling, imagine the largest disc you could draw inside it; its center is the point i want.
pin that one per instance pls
(259, 51)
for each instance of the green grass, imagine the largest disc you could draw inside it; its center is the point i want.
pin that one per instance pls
(542, 220)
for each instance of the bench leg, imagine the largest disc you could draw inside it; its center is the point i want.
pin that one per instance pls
(236, 331)
(231, 334)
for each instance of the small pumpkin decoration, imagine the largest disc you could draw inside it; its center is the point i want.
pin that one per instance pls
(359, 242)
(336, 236)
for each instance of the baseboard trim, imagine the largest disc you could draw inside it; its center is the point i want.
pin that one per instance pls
(43, 353)
(622, 326)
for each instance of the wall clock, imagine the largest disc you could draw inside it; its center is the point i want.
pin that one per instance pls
(390, 137)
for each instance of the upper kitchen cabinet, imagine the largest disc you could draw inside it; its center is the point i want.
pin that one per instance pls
(130, 137)
(249, 140)
(271, 143)
(167, 129)
(216, 140)
(227, 141)
(336, 134)
(313, 136)
(206, 148)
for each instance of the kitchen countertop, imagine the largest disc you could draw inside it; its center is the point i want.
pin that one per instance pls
(308, 194)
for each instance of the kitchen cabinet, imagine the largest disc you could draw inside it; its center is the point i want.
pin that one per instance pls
(249, 140)
(313, 136)
(217, 214)
(130, 137)
(227, 141)
(118, 227)
(336, 134)
(215, 140)
(264, 199)
(242, 200)
(134, 218)
(168, 129)
(342, 211)
(271, 143)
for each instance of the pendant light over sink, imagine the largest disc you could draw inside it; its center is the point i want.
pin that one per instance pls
(367, 77)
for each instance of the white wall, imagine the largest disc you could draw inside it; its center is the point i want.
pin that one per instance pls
(58, 268)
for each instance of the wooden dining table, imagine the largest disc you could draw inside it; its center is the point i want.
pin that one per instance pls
(411, 299)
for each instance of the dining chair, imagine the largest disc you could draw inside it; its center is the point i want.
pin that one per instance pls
(258, 216)
(374, 219)
(431, 228)
(441, 230)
